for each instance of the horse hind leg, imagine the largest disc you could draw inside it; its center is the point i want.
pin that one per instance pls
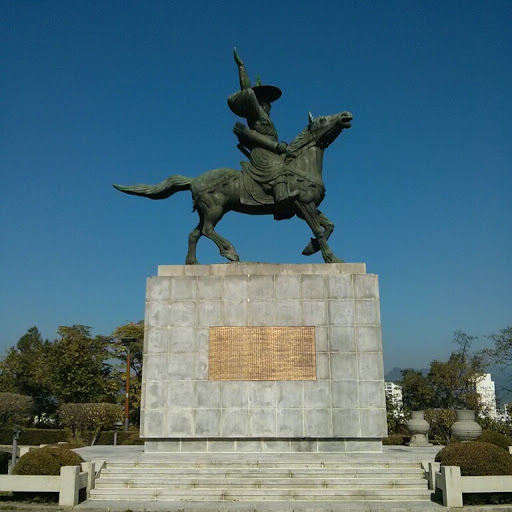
(226, 248)
(193, 238)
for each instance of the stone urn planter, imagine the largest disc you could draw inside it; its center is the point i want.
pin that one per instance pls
(418, 427)
(465, 427)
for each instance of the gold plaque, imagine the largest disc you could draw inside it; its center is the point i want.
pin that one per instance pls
(262, 353)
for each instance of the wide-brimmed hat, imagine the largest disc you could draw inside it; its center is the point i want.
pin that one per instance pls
(267, 93)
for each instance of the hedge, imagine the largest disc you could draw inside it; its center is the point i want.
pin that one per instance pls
(37, 436)
(107, 437)
(34, 436)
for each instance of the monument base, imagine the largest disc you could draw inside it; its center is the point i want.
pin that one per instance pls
(252, 357)
(293, 445)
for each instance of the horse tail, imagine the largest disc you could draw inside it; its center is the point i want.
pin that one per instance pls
(163, 190)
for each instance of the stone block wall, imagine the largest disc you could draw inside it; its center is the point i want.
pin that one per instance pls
(342, 410)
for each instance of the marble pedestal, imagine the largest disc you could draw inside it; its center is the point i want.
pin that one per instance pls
(342, 409)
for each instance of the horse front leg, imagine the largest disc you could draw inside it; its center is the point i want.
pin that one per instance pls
(310, 214)
(328, 226)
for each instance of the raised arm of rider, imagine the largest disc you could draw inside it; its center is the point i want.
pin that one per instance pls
(245, 82)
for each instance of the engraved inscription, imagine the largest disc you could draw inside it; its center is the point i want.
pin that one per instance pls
(262, 353)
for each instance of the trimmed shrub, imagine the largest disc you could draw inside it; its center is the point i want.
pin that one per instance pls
(488, 436)
(396, 439)
(476, 458)
(133, 439)
(70, 445)
(46, 461)
(107, 437)
(34, 436)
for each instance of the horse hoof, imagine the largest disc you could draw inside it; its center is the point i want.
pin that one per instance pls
(192, 262)
(231, 256)
(311, 248)
(308, 250)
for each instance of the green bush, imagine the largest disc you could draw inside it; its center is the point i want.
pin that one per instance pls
(34, 436)
(133, 439)
(501, 427)
(488, 436)
(396, 439)
(476, 458)
(46, 461)
(440, 421)
(125, 438)
(70, 445)
(107, 437)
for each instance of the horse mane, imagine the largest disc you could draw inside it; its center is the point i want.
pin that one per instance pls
(303, 138)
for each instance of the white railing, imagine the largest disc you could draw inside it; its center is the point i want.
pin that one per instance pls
(453, 485)
(68, 484)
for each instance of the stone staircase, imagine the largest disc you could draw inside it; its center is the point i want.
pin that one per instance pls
(256, 478)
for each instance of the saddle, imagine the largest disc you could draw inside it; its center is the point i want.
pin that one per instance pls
(254, 193)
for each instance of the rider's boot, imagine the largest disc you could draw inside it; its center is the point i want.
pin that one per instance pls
(282, 194)
(283, 200)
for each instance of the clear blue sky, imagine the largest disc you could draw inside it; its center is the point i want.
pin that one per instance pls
(95, 93)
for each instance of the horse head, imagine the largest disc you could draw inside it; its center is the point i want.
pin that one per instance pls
(325, 129)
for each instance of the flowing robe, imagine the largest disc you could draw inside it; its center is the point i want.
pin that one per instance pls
(266, 165)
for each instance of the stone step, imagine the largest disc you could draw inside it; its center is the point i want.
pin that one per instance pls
(263, 495)
(114, 470)
(279, 463)
(287, 477)
(320, 482)
(164, 477)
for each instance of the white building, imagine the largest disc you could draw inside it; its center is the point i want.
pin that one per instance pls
(487, 395)
(394, 391)
(503, 414)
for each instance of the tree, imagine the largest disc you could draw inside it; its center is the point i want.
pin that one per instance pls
(417, 392)
(448, 385)
(26, 369)
(14, 409)
(80, 372)
(88, 420)
(501, 353)
(119, 351)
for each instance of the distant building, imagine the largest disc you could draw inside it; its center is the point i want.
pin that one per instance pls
(487, 395)
(503, 414)
(394, 392)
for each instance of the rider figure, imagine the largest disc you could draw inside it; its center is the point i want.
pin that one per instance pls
(259, 141)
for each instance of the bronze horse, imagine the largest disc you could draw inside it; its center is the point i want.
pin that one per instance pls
(219, 191)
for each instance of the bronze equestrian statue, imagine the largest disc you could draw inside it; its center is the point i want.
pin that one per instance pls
(280, 179)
